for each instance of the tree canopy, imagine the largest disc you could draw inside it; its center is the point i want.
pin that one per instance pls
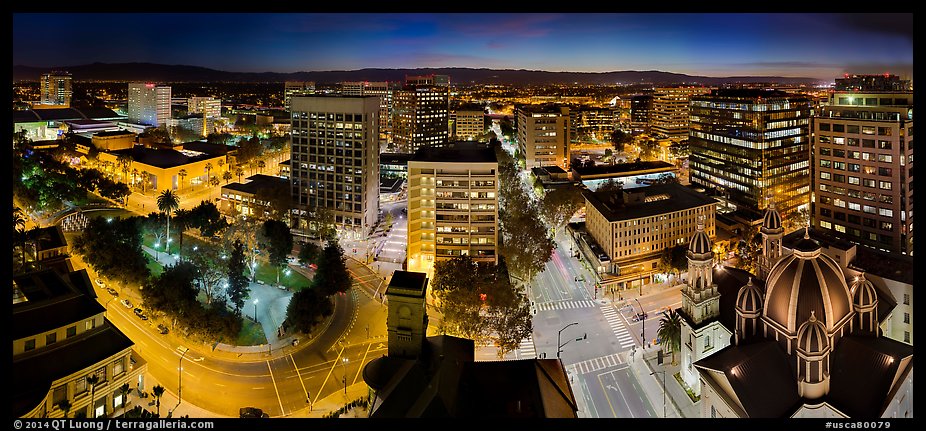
(238, 287)
(277, 239)
(113, 249)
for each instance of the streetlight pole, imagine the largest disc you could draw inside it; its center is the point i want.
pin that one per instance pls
(559, 347)
(344, 366)
(180, 376)
(663, 390)
(255, 309)
(643, 315)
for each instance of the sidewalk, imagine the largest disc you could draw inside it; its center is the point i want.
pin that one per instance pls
(677, 402)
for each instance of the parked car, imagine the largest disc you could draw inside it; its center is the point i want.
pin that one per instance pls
(252, 412)
(127, 303)
(141, 314)
(162, 329)
(99, 282)
(112, 291)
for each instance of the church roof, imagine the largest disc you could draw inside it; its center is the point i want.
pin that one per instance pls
(759, 374)
(874, 364)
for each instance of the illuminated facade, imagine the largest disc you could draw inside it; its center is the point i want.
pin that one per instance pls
(149, 104)
(634, 226)
(543, 135)
(208, 106)
(468, 124)
(669, 114)
(751, 144)
(335, 160)
(421, 117)
(382, 89)
(452, 204)
(296, 88)
(56, 89)
(640, 108)
(863, 163)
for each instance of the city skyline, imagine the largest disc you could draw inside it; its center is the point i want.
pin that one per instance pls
(821, 46)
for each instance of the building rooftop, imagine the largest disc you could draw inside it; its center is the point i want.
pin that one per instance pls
(446, 382)
(114, 133)
(161, 158)
(395, 158)
(747, 93)
(52, 301)
(47, 237)
(258, 182)
(408, 282)
(674, 197)
(210, 148)
(61, 114)
(546, 108)
(37, 371)
(620, 168)
(457, 152)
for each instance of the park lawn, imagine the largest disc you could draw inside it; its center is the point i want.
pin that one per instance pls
(295, 281)
(251, 334)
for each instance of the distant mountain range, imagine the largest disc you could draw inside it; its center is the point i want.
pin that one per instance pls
(181, 73)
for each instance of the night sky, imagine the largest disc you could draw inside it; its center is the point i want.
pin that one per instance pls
(808, 45)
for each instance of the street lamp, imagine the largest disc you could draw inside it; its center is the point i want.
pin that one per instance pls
(180, 375)
(643, 315)
(344, 366)
(663, 390)
(559, 347)
(255, 309)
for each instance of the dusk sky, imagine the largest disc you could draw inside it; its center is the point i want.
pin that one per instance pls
(807, 45)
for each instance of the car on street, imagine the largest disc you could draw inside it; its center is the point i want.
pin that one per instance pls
(127, 303)
(252, 412)
(162, 329)
(99, 282)
(112, 291)
(141, 314)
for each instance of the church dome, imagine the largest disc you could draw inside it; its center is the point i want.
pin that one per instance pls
(811, 337)
(749, 300)
(804, 282)
(772, 220)
(700, 243)
(864, 295)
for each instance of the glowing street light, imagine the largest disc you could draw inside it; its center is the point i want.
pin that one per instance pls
(255, 309)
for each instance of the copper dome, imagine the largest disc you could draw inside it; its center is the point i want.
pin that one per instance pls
(772, 220)
(802, 282)
(864, 295)
(749, 300)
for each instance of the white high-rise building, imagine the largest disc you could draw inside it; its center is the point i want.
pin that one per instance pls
(210, 106)
(149, 104)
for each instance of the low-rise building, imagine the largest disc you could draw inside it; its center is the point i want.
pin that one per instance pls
(634, 227)
(113, 140)
(251, 198)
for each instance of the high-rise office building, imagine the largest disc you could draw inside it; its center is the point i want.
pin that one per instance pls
(209, 106)
(421, 116)
(640, 107)
(56, 89)
(592, 124)
(384, 90)
(669, 114)
(149, 104)
(873, 83)
(750, 145)
(543, 135)
(334, 162)
(296, 88)
(863, 164)
(452, 204)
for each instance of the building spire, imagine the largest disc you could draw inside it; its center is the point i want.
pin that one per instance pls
(701, 223)
(806, 232)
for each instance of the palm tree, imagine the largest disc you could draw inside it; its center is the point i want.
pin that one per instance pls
(64, 405)
(261, 165)
(125, 162)
(182, 175)
(221, 163)
(227, 176)
(134, 176)
(168, 202)
(146, 176)
(92, 380)
(670, 332)
(239, 171)
(125, 394)
(158, 391)
(214, 181)
(208, 168)
(19, 231)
